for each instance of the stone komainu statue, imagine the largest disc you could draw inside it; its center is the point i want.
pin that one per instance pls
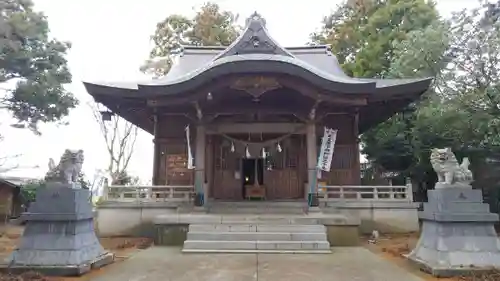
(448, 170)
(68, 169)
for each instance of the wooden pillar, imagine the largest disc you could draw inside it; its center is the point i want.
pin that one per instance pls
(209, 167)
(199, 163)
(156, 151)
(312, 159)
(357, 162)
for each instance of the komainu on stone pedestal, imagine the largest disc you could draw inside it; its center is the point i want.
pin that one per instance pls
(59, 238)
(457, 236)
(68, 169)
(449, 172)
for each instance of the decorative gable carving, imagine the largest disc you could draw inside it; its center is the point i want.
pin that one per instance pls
(256, 86)
(255, 40)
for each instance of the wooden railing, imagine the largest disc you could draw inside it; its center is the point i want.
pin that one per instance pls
(185, 193)
(155, 193)
(366, 193)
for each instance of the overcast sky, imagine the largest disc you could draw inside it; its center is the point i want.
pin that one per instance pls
(110, 41)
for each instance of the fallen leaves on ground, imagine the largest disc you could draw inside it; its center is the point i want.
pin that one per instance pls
(493, 275)
(397, 245)
(122, 243)
(27, 276)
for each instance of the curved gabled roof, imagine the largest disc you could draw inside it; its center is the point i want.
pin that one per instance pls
(256, 52)
(257, 63)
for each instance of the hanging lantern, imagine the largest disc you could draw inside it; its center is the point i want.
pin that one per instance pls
(264, 152)
(106, 115)
(232, 146)
(278, 147)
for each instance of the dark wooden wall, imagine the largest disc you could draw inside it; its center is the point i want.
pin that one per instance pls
(172, 166)
(173, 159)
(345, 163)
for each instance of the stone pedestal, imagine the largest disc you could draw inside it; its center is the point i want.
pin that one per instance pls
(457, 236)
(59, 238)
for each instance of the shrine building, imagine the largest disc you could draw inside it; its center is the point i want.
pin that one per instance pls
(252, 116)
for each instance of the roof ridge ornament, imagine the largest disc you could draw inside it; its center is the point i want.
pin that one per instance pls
(255, 39)
(255, 17)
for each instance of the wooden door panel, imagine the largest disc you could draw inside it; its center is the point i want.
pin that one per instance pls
(284, 181)
(226, 186)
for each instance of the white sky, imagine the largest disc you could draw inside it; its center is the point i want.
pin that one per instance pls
(110, 41)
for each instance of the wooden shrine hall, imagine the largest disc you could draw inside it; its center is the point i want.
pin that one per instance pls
(252, 116)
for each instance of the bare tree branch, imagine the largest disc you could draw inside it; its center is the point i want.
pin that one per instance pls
(120, 137)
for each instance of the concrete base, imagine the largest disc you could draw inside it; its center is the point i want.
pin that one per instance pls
(457, 236)
(136, 218)
(394, 216)
(172, 229)
(281, 219)
(61, 270)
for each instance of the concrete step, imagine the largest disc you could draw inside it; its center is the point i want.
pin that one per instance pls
(295, 211)
(202, 245)
(258, 207)
(259, 204)
(258, 236)
(228, 251)
(286, 228)
(269, 219)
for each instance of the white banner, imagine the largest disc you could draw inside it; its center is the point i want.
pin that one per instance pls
(327, 148)
(190, 164)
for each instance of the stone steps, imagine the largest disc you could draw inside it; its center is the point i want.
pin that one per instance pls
(252, 227)
(259, 236)
(258, 207)
(269, 246)
(256, 238)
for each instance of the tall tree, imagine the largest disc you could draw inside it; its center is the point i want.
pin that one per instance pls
(462, 110)
(33, 69)
(120, 137)
(361, 32)
(211, 26)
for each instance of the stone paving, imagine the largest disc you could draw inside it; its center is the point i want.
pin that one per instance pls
(169, 264)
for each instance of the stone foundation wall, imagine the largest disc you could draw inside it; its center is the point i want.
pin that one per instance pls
(130, 219)
(386, 217)
(343, 235)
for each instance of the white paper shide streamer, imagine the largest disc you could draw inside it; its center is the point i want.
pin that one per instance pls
(190, 164)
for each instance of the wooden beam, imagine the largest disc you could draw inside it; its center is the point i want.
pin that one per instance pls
(237, 128)
(313, 93)
(240, 109)
(192, 96)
